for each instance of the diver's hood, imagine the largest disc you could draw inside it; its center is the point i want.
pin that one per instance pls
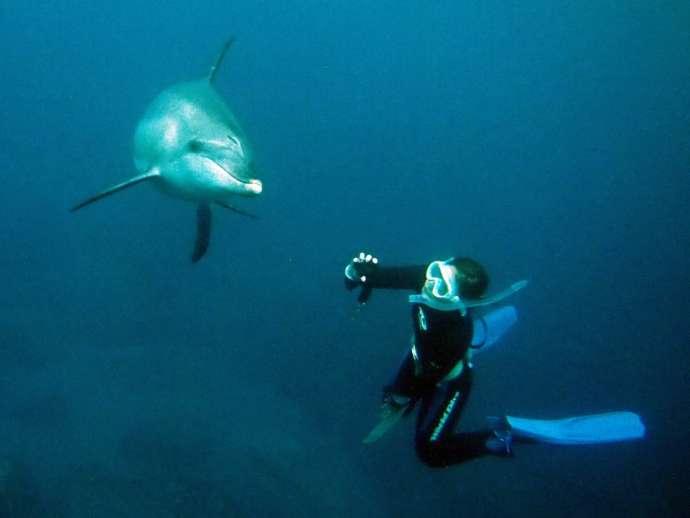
(440, 290)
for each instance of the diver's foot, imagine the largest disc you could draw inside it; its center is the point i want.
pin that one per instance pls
(500, 442)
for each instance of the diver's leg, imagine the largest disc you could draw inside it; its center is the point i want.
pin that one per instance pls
(436, 444)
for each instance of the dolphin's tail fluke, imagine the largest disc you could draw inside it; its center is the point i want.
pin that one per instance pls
(203, 231)
(115, 188)
(219, 59)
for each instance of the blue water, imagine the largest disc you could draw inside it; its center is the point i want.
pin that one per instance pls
(549, 140)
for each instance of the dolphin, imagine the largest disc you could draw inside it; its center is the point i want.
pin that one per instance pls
(190, 146)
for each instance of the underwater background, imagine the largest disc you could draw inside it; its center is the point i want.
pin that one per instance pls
(550, 140)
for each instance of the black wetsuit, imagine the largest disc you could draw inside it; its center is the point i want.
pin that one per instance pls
(441, 341)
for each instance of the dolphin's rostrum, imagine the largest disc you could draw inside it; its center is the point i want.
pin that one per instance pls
(190, 145)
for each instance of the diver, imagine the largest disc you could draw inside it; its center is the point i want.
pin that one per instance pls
(436, 371)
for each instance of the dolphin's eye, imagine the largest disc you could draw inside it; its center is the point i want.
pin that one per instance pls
(194, 146)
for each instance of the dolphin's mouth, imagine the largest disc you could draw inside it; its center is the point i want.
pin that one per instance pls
(252, 184)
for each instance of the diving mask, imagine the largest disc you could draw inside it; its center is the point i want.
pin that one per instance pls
(441, 281)
(441, 287)
(441, 290)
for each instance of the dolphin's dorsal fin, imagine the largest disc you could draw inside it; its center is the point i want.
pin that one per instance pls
(219, 59)
(115, 188)
(203, 231)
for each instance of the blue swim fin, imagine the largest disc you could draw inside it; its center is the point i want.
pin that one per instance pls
(585, 429)
(490, 328)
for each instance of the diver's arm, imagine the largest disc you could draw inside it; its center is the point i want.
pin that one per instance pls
(399, 277)
(364, 271)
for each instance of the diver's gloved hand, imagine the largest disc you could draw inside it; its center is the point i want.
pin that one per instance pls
(360, 267)
(393, 401)
(357, 273)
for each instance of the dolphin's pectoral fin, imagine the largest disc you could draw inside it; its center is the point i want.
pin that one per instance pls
(115, 188)
(203, 231)
(219, 59)
(236, 210)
